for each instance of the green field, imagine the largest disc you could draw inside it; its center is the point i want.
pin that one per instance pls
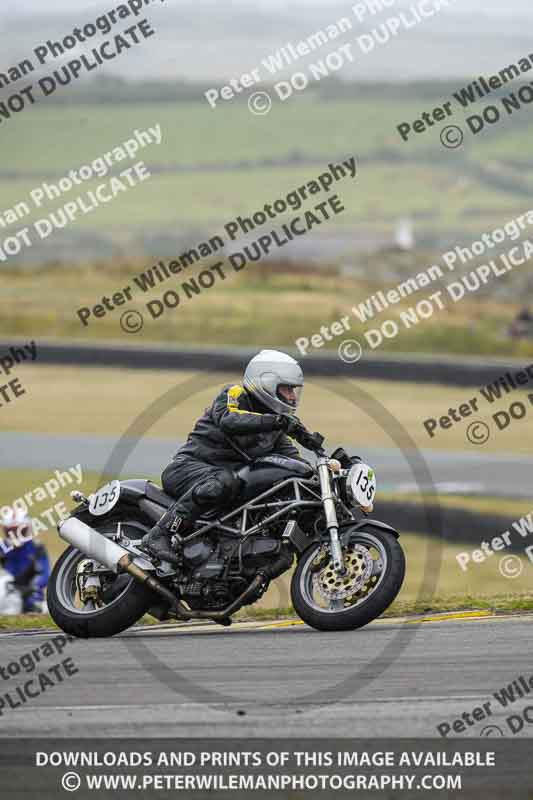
(465, 189)
(194, 134)
(379, 195)
(213, 165)
(306, 127)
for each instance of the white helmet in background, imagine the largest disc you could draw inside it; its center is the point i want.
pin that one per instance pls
(16, 520)
(276, 380)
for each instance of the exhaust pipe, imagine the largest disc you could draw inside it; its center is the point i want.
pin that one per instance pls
(114, 557)
(92, 543)
(222, 616)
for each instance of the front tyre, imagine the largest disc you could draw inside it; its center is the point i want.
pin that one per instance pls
(126, 601)
(375, 565)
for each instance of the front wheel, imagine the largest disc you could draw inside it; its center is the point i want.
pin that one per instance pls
(375, 565)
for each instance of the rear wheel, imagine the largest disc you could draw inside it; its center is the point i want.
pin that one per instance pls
(375, 566)
(87, 600)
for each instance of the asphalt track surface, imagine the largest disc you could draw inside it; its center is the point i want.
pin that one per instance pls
(460, 472)
(397, 678)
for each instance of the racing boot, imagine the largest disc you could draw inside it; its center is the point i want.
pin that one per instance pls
(158, 540)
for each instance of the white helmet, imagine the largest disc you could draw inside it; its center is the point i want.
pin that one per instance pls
(276, 380)
(16, 519)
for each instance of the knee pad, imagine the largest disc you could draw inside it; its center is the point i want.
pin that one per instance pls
(221, 487)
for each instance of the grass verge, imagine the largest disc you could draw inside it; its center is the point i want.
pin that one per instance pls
(498, 604)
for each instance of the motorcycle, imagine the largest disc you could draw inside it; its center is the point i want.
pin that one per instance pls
(349, 567)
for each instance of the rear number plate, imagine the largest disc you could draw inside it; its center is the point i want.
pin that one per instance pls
(103, 500)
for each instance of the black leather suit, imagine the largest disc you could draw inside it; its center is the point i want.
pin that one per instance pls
(231, 432)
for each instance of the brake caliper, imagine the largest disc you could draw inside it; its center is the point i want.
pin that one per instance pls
(88, 583)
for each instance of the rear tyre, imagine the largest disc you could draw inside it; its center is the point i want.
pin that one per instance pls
(376, 569)
(124, 600)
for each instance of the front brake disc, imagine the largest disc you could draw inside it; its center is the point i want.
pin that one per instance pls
(359, 568)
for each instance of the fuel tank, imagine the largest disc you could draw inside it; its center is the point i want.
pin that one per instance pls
(268, 470)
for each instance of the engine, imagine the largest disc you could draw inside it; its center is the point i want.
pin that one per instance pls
(204, 558)
(217, 573)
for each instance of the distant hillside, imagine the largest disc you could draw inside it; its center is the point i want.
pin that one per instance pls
(114, 89)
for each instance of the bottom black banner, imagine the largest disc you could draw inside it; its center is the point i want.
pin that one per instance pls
(277, 768)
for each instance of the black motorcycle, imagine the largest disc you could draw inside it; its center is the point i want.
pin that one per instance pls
(349, 568)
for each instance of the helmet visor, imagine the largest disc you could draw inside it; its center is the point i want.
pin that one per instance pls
(289, 394)
(24, 530)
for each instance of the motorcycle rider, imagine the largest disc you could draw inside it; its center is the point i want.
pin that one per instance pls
(26, 559)
(243, 423)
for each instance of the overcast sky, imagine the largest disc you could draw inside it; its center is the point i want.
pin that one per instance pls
(491, 7)
(219, 39)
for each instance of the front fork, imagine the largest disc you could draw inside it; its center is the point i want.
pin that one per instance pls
(330, 512)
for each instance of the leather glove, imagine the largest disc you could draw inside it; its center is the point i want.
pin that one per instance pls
(293, 427)
(311, 441)
(289, 424)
